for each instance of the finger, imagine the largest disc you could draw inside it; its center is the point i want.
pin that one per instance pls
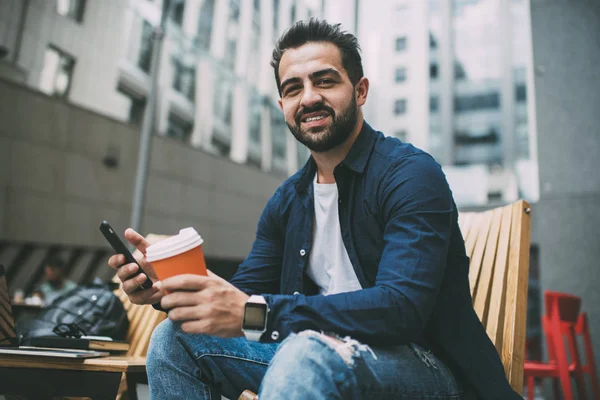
(137, 240)
(126, 271)
(185, 282)
(196, 327)
(193, 313)
(179, 299)
(116, 261)
(132, 285)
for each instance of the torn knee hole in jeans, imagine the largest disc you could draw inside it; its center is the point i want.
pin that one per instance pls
(349, 349)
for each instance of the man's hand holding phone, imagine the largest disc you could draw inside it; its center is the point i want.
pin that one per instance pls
(132, 283)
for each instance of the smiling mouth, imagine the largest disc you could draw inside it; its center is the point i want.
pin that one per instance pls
(315, 118)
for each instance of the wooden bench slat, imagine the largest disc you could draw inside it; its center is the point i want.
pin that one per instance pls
(495, 320)
(517, 281)
(480, 245)
(481, 297)
(472, 234)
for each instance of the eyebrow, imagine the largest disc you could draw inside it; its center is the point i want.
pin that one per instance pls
(312, 76)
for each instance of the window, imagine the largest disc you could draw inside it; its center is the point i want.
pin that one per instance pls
(184, 79)
(433, 71)
(432, 42)
(57, 72)
(255, 107)
(400, 74)
(401, 44)
(136, 111)
(222, 149)
(177, 10)
(232, 33)
(520, 93)
(223, 99)
(293, 12)
(72, 9)
(178, 128)
(205, 24)
(278, 129)
(434, 104)
(484, 101)
(402, 134)
(145, 55)
(400, 107)
(276, 18)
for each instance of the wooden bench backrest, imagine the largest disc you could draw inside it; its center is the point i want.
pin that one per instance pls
(142, 321)
(497, 242)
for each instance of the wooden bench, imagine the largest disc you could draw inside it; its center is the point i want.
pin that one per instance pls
(497, 242)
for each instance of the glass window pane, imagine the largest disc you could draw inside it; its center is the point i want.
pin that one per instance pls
(205, 24)
(145, 55)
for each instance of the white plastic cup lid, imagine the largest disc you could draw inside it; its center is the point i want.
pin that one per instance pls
(186, 240)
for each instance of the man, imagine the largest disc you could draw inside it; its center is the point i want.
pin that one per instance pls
(55, 282)
(358, 276)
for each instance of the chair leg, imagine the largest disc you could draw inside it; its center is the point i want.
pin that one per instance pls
(563, 366)
(589, 355)
(530, 388)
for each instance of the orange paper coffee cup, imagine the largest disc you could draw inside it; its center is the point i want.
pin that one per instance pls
(179, 254)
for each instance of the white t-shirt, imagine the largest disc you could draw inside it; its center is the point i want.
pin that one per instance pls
(329, 265)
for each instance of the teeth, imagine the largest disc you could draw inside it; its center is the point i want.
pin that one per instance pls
(311, 119)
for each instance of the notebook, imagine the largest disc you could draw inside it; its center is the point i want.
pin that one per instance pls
(9, 343)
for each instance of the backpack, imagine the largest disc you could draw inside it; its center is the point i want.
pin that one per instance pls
(91, 310)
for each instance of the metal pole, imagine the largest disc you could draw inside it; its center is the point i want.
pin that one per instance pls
(141, 177)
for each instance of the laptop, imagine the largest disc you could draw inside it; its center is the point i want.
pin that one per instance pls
(9, 343)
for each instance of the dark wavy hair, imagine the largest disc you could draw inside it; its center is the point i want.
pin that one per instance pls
(315, 30)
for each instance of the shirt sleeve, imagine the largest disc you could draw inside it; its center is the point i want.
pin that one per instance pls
(260, 272)
(416, 204)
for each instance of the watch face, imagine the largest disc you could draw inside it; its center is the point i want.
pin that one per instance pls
(255, 317)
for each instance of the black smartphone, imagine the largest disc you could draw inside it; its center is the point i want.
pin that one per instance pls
(120, 248)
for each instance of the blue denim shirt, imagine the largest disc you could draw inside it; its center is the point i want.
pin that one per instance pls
(400, 228)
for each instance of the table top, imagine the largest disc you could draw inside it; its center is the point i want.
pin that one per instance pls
(105, 364)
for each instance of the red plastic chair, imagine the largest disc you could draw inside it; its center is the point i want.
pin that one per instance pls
(562, 312)
(583, 329)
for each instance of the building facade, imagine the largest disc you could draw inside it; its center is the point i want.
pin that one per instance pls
(216, 88)
(455, 78)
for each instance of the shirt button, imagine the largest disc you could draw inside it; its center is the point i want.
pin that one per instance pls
(275, 335)
(296, 293)
(302, 253)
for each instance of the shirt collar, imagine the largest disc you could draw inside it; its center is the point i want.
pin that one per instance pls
(356, 159)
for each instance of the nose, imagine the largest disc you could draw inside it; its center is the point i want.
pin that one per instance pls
(310, 97)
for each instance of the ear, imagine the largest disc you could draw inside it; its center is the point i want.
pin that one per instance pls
(280, 104)
(362, 90)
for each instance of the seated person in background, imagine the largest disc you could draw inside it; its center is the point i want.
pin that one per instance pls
(55, 281)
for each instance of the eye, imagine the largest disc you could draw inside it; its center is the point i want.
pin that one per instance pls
(291, 90)
(325, 81)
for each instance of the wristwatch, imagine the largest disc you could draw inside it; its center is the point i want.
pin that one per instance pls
(256, 312)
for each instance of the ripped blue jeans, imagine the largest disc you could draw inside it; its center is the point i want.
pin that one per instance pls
(308, 365)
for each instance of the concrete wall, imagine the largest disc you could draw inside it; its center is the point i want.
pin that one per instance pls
(54, 187)
(566, 38)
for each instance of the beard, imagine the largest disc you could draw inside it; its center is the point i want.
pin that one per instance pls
(324, 138)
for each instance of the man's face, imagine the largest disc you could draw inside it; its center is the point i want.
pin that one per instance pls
(317, 98)
(53, 274)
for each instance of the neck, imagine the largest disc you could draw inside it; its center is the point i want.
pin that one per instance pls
(327, 160)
